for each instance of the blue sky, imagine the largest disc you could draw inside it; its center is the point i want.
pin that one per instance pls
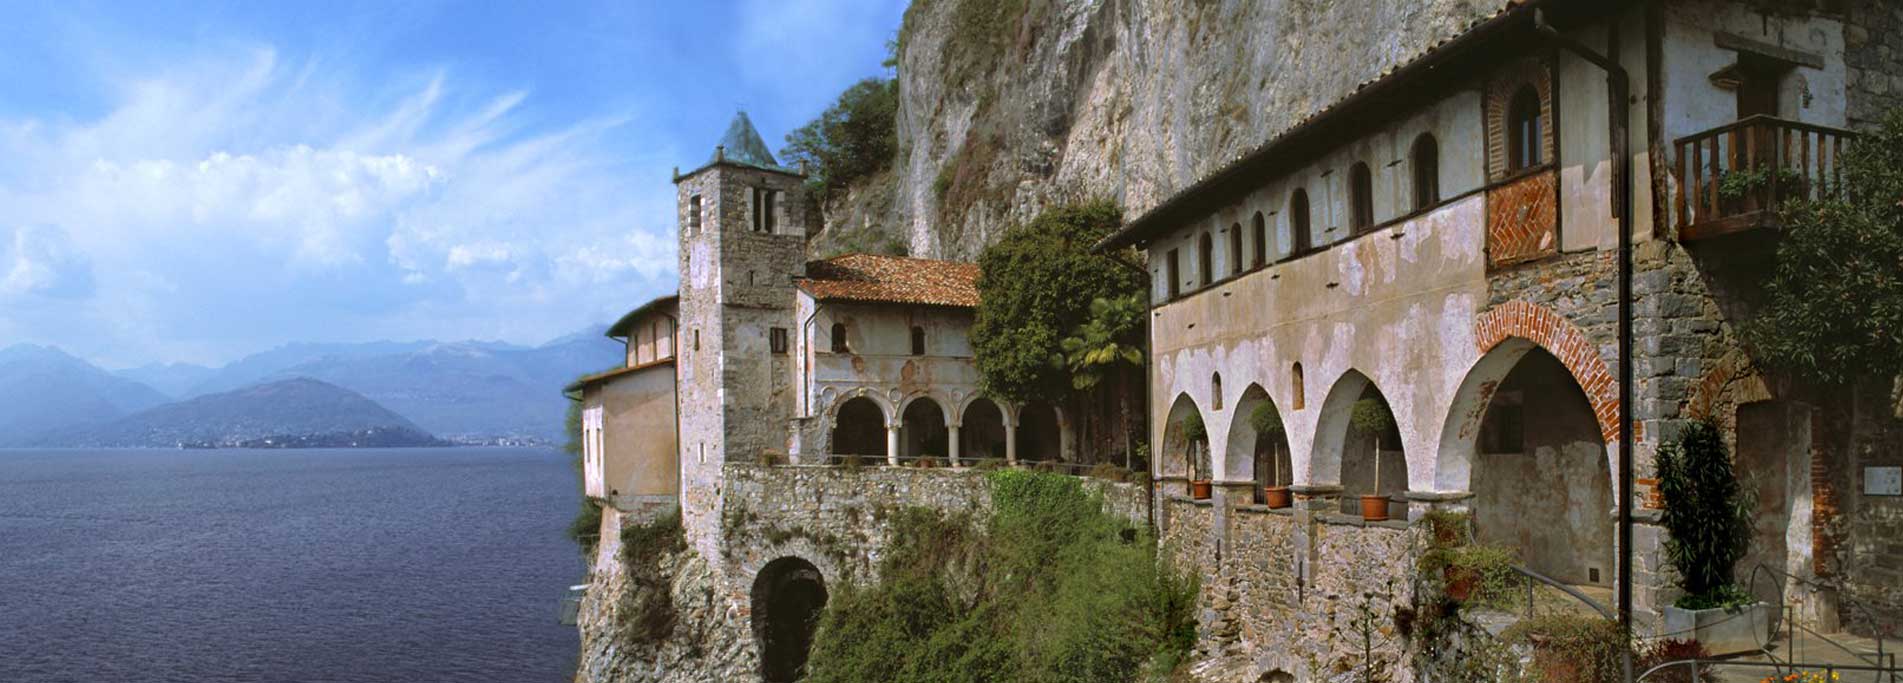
(198, 182)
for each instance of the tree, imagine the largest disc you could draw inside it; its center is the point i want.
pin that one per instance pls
(1109, 344)
(1834, 301)
(1036, 285)
(853, 139)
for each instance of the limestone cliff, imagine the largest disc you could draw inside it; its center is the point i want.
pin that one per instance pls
(1008, 105)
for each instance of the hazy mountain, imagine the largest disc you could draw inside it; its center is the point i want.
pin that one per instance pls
(45, 389)
(173, 379)
(295, 412)
(471, 389)
(258, 366)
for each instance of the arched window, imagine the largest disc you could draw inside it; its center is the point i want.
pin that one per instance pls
(1298, 221)
(839, 338)
(1235, 249)
(1203, 259)
(1523, 129)
(1296, 389)
(1215, 391)
(1260, 238)
(1361, 193)
(1425, 160)
(918, 341)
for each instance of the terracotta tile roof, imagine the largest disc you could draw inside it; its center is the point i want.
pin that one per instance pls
(869, 278)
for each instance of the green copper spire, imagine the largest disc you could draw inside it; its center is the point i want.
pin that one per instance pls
(742, 145)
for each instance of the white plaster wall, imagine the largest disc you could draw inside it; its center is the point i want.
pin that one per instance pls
(1456, 125)
(1397, 305)
(1694, 104)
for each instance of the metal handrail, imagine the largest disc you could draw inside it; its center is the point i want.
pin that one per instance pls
(1868, 617)
(1569, 590)
(1829, 670)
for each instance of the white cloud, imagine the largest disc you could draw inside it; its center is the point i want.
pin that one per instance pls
(239, 200)
(40, 261)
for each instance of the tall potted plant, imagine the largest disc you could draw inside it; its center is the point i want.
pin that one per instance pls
(1267, 422)
(1371, 418)
(1197, 435)
(1708, 516)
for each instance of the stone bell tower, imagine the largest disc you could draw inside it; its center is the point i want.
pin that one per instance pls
(742, 242)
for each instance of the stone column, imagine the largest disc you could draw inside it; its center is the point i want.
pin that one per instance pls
(892, 445)
(1011, 443)
(951, 443)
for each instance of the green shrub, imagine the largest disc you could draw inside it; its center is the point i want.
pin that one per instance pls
(1572, 648)
(644, 613)
(585, 530)
(1707, 514)
(1833, 309)
(1046, 589)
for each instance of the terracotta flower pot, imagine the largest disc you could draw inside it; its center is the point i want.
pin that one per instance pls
(1374, 508)
(1199, 489)
(1460, 583)
(1276, 497)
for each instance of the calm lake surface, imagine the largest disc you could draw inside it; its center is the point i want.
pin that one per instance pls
(399, 565)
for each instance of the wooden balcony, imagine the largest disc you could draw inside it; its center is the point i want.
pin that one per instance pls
(1733, 177)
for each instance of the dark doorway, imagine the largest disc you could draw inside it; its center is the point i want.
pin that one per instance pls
(859, 428)
(982, 436)
(923, 431)
(1038, 438)
(788, 598)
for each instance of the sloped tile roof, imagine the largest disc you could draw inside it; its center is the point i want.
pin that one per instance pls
(868, 278)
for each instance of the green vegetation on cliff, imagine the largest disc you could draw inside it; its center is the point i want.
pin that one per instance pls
(1050, 588)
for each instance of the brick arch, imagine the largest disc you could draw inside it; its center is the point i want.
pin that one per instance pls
(1553, 332)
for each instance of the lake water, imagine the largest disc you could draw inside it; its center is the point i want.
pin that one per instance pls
(401, 565)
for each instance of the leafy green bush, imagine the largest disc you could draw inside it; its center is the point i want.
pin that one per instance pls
(1572, 648)
(1050, 588)
(585, 530)
(644, 613)
(1707, 514)
(1834, 301)
(1037, 283)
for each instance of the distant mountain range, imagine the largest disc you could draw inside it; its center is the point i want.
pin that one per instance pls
(461, 391)
(300, 412)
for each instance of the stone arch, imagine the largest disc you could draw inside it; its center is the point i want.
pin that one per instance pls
(981, 431)
(1177, 456)
(858, 424)
(788, 597)
(1495, 332)
(1250, 456)
(922, 428)
(1360, 464)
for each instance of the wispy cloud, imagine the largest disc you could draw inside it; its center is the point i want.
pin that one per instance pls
(240, 198)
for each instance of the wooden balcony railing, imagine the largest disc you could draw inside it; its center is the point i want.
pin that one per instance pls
(1733, 177)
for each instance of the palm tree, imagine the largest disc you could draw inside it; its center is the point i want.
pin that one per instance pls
(1106, 345)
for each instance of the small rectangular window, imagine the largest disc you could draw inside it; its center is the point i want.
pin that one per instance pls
(776, 337)
(693, 214)
(696, 339)
(771, 210)
(918, 341)
(1171, 271)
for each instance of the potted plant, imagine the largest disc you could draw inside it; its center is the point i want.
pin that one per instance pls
(1371, 417)
(1708, 518)
(1197, 435)
(1267, 422)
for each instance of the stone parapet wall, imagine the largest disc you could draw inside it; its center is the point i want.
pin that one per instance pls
(1284, 590)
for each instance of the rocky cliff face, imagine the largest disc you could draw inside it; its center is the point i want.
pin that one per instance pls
(1010, 105)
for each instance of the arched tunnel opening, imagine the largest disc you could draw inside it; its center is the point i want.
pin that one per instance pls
(789, 596)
